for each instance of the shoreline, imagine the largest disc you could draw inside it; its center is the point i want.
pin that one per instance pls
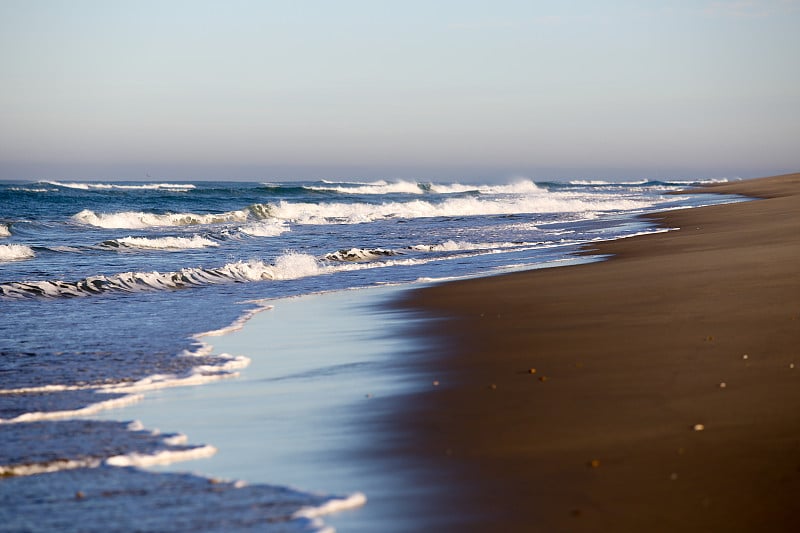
(653, 391)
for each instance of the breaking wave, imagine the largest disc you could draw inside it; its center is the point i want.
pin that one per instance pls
(354, 213)
(287, 266)
(139, 220)
(457, 246)
(5, 230)
(161, 243)
(115, 186)
(360, 254)
(265, 228)
(382, 187)
(15, 252)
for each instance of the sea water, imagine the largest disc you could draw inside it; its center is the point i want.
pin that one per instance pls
(107, 290)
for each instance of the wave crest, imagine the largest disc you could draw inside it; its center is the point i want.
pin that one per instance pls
(140, 220)
(162, 243)
(15, 252)
(360, 254)
(288, 266)
(115, 186)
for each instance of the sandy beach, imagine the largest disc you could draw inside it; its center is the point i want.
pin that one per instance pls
(655, 391)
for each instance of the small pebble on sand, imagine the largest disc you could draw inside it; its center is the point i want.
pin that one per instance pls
(532, 371)
(436, 383)
(745, 357)
(698, 427)
(723, 385)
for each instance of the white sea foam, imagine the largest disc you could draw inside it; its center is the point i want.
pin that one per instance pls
(199, 375)
(357, 499)
(235, 326)
(265, 228)
(162, 457)
(56, 465)
(83, 411)
(111, 186)
(163, 243)
(589, 182)
(46, 388)
(15, 252)
(139, 220)
(30, 189)
(5, 230)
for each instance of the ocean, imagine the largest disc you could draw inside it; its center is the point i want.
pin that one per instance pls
(108, 291)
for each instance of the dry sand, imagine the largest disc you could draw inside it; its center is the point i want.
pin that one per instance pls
(655, 391)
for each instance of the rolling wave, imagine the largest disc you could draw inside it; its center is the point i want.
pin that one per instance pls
(410, 187)
(116, 186)
(355, 213)
(140, 220)
(522, 197)
(287, 266)
(161, 243)
(458, 246)
(360, 254)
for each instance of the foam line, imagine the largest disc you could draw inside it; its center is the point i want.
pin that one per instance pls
(84, 411)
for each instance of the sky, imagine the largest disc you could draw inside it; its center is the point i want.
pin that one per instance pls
(433, 89)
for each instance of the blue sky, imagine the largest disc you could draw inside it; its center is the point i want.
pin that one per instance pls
(376, 89)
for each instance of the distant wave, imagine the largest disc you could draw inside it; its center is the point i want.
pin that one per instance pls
(15, 252)
(378, 187)
(543, 202)
(111, 186)
(698, 181)
(139, 220)
(161, 243)
(522, 197)
(287, 266)
(409, 187)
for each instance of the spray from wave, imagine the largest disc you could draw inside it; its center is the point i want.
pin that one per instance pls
(15, 252)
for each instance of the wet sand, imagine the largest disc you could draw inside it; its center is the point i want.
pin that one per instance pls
(655, 391)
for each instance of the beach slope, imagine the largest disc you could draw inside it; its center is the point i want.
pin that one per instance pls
(656, 391)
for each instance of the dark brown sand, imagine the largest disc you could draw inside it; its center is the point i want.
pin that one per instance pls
(655, 391)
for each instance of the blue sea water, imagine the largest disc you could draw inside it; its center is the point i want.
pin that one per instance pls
(107, 287)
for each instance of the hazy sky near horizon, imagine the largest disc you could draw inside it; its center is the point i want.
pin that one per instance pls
(264, 89)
